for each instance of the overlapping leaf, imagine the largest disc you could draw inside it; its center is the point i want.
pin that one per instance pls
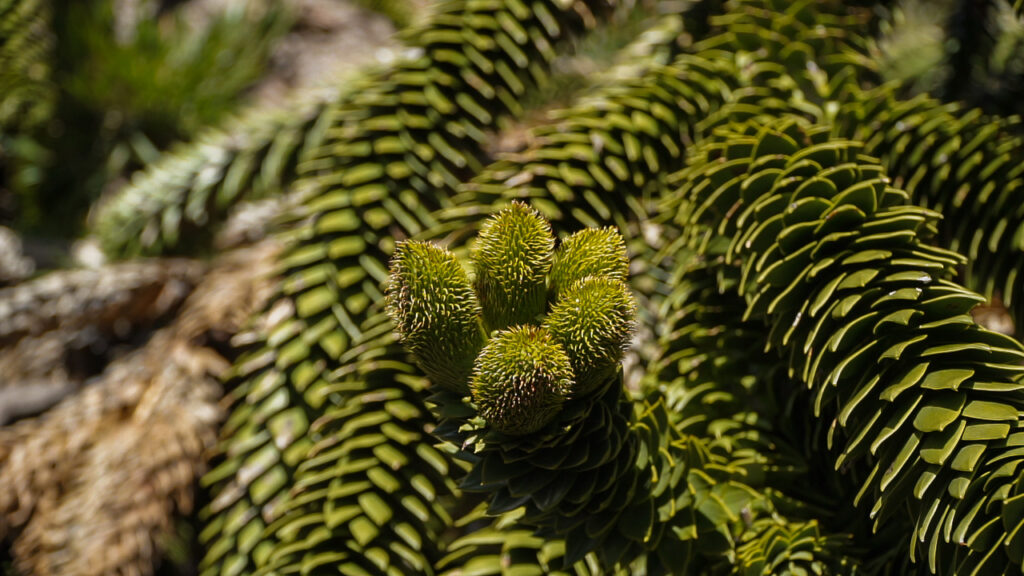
(175, 204)
(371, 496)
(959, 162)
(835, 262)
(500, 546)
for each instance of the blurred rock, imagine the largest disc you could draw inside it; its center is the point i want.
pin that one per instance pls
(994, 316)
(114, 298)
(330, 39)
(14, 265)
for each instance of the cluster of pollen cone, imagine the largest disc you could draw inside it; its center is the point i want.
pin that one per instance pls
(530, 328)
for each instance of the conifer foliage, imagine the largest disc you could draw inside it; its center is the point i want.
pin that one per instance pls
(719, 315)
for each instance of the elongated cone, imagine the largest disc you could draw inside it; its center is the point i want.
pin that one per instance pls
(589, 252)
(512, 258)
(521, 379)
(593, 321)
(435, 311)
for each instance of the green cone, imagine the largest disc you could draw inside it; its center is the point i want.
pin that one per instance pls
(512, 258)
(435, 311)
(521, 379)
(589, 252)
(593, 321)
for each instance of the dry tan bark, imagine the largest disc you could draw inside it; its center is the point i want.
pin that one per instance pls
(63, 328)
(93, 485)
(110, 298)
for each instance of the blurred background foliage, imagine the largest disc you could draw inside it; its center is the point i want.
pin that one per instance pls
(130, 78)
(124, 79)
(957, 50)
(118, 81)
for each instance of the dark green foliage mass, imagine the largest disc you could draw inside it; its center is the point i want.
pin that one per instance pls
(27, 96)
(651, 479)
(391, 153)
(835, 261)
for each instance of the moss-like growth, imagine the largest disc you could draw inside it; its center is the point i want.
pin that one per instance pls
(593, 321)
(589, 252)
(512, 258)
(435, 311)
(521, 379)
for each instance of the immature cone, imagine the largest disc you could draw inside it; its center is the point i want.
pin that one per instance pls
(589, 252)
(512, 257)
(593, 321)
(435, 311)
(520, 380)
